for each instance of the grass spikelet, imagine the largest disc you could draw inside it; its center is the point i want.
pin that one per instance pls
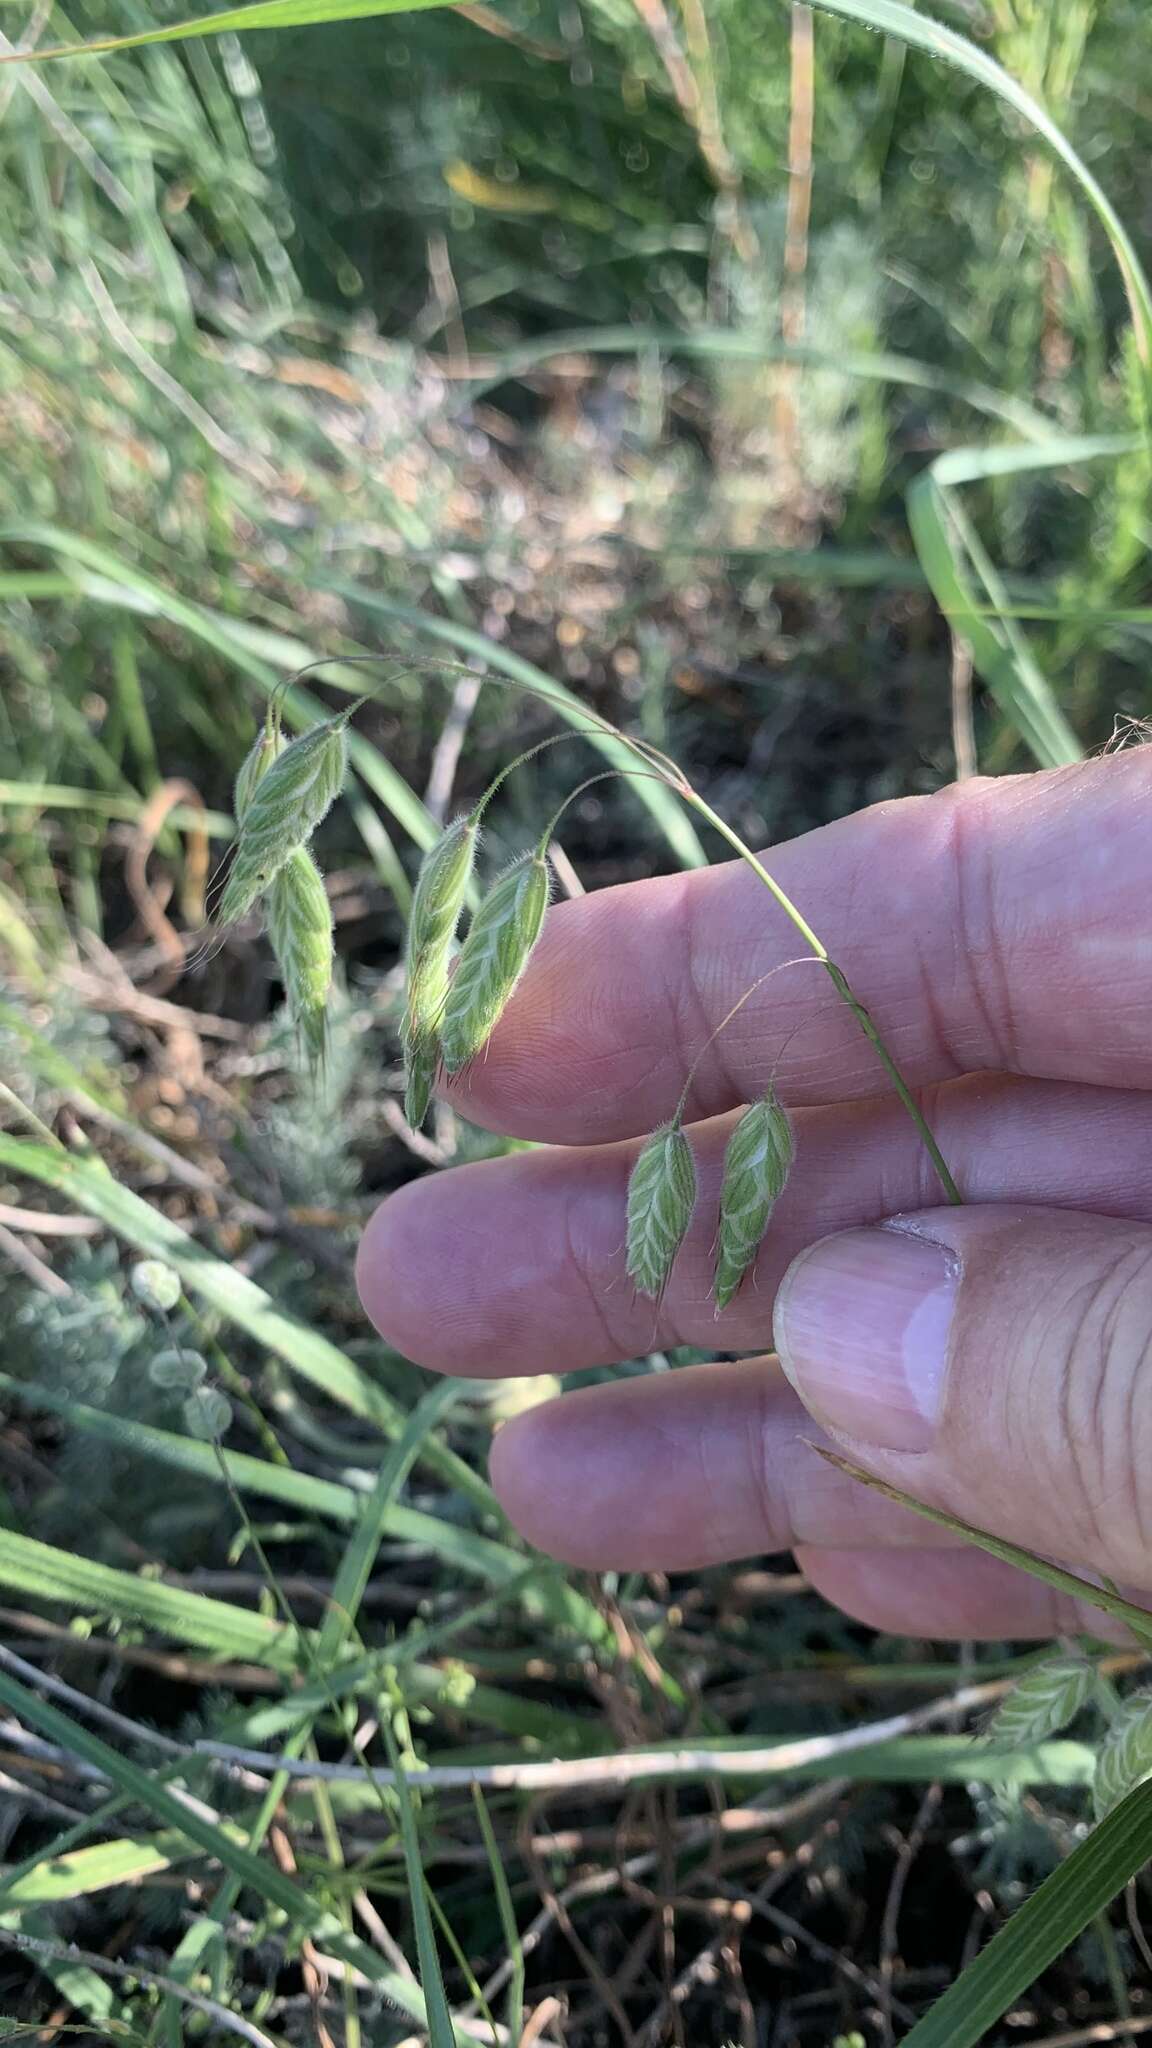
(267, 746)
(421, 1059)
(494, 956)
(1125, 1758)
(441, 887)
(661, 1198)
(283, 810)
(756, 1166)
(1043, 1702)
(300, 933)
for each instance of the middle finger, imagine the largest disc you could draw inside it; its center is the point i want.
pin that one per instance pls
(516, 1265)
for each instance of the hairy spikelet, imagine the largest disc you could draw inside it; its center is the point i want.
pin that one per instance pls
(661, 1198)
(492, 959)
(441, 888)
(421, 1059)
(267, 746)
(284, 809)
(1043, 1702)
(1125, 1758)
(300, 933)
(756, 1166)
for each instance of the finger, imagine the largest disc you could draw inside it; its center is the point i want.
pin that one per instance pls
(952, 1596)
(994, 1362)
(998, 925)
(675, 1471)
(517, 1264)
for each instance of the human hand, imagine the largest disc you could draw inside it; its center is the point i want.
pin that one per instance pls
(993, 1361)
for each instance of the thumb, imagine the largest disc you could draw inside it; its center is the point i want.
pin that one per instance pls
(993, 1362)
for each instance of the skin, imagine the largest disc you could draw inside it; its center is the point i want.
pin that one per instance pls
(1001, 935)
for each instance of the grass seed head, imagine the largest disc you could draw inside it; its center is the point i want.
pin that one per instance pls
(756, 1166)
(266, 748)
(441, 888)
(284, 809)
(661, 1198)
(492, 959)
(300, 933)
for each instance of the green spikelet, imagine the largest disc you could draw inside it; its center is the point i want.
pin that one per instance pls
(1125, 1758)
(756, 1167)
(283, 810)
(421, 1059)
(267, 746)
(494, 956)
(661, 1198)
(300, 933)
(441, 888)
(1043, 1702)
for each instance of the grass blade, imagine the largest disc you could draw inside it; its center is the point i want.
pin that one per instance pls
(878, 366)
(999, 650)
(507, 1912)
(1058, 1911)
(355, 1567)
(63, 1576)
(945, 542)
(232, 20)
(427, 1955)
(665, 808)
(263, 656)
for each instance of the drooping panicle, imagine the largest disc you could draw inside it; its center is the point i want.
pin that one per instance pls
(492, 959)
(661, 1198)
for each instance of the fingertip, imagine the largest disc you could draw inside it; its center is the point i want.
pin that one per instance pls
(385, 1262)
(558, 1477)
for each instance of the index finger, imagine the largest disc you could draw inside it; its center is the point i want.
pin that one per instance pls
(1001, 924)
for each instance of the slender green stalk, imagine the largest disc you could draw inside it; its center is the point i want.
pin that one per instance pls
(840, 983)
(1138, 1619)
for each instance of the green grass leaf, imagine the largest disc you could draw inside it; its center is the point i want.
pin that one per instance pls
(63, 1577)
(440, 2031)
(80, 1872)
(232, 21)
(1056, 1914)
(665, 808)
(947, 547)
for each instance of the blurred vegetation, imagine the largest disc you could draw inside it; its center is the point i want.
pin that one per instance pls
(489, 339)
